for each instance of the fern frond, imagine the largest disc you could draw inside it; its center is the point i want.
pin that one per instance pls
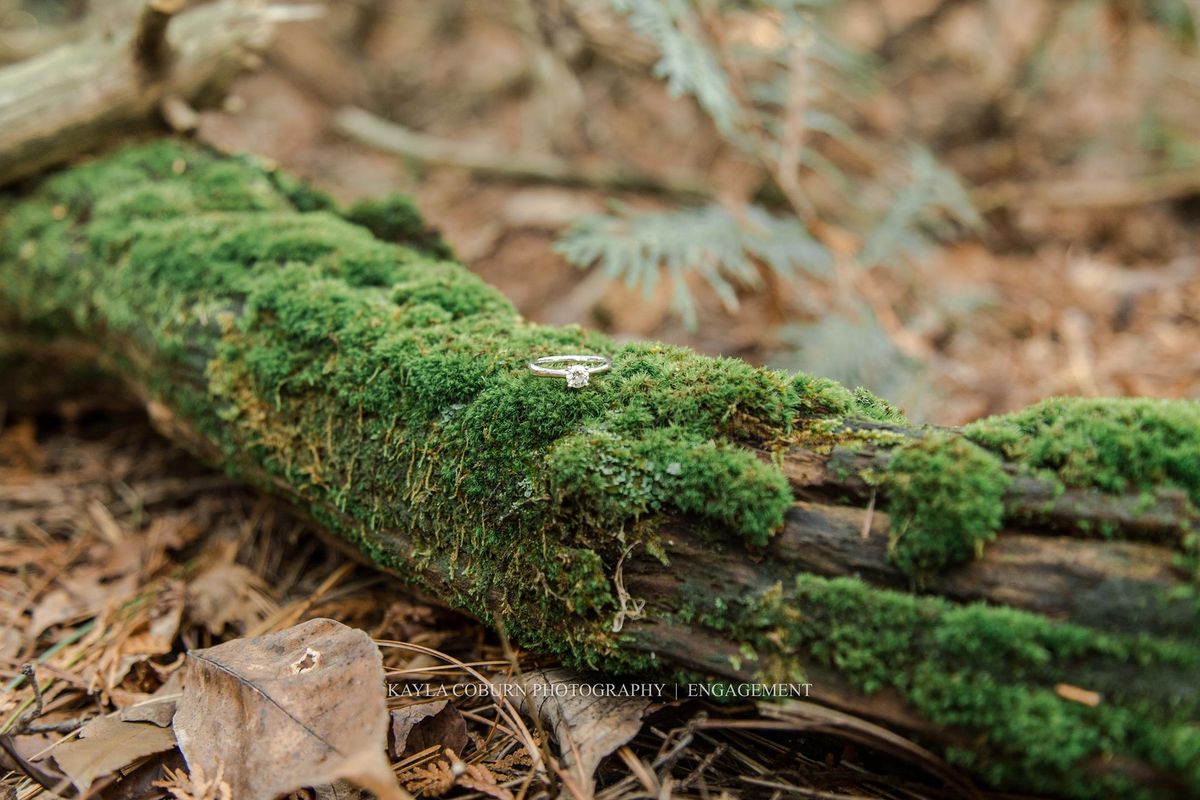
(686, 61)
(933, 198)
(638, 247)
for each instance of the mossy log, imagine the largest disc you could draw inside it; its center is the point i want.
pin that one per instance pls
(1018, 594)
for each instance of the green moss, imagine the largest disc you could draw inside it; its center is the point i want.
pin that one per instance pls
(822, 397)
(1114, 445)
(990, 674)
(946, 500)
(395, 219)
(605, 476)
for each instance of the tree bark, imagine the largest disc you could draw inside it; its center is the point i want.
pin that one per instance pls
(680, 513)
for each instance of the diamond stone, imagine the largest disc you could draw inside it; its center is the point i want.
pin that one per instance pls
(577, 376)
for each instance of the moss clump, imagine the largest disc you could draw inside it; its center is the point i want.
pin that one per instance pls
(395, 219)
(824, 398)
(946, 499)
(991, 674)
(606, 476)
(1114, 445)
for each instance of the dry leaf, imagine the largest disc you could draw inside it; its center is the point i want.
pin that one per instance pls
(418, 727)
(107, 744)
(228, 594)
(107, 577)
(152, 636)
(10, 643)
(84, 594)
(339, 791)
(587, 728)
(158, 708)
(302, 707)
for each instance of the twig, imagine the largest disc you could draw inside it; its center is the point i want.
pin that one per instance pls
(62, 726)
(390, 137)
(30, 673)
(1101, 193)
(869, 517)
(629, 607)
(791, 143)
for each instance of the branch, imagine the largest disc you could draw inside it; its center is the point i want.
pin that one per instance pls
(390, 137)
(87, 94)
(1090, 193)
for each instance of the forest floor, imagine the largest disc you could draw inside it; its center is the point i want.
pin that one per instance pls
(119, 552)
(1084, 281)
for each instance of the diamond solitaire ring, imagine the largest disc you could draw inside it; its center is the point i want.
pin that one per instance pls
(578, 370)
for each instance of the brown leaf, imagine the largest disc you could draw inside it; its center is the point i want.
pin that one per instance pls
(158, 708)
(84, 594)
(587, 728)
(227, 594)
(10, 643)
(152, 636)
(298, 708)
(107, 744)
(419, 727)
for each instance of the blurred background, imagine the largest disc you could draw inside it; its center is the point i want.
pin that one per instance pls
(963, 205)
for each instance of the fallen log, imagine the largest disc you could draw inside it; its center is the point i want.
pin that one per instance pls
(1018, 594)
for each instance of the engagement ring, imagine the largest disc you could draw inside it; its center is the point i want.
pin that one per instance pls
(578, 372)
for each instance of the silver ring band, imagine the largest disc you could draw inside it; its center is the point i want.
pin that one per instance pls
(579, 371)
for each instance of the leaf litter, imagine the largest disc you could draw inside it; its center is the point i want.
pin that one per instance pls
(201, 567)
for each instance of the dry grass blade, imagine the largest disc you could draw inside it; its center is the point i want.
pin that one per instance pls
(814, 718)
